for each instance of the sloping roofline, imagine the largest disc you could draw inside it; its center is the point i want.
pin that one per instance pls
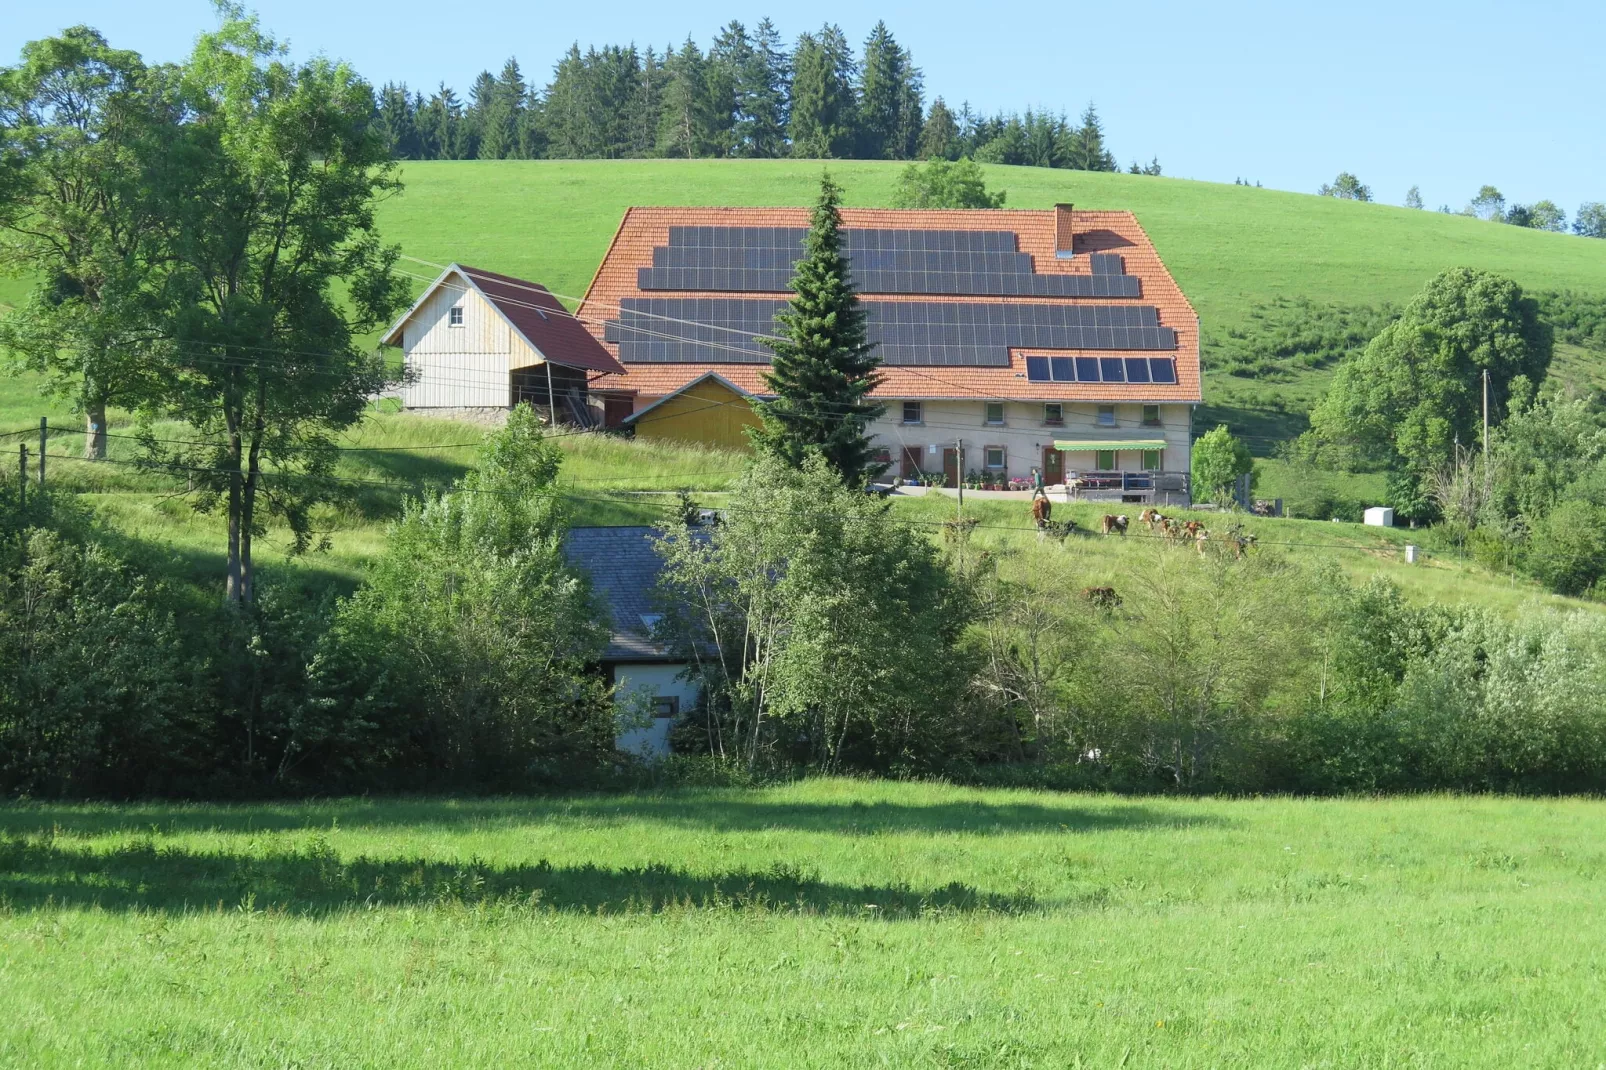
(599, 361)
(703, 378)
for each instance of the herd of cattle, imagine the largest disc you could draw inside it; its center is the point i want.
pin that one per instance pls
(1236, 540)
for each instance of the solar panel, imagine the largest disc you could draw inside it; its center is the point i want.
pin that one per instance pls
(1061, 370)
(1137, 369)
(721, 329)
(760, 259)
(1163, 369)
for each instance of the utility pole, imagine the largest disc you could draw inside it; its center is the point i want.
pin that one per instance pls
(44, 430)
(1486, 416)
(959, 473)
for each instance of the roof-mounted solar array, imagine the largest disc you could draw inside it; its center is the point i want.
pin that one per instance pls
(977, 262)
(726, 330)
(1161, 370)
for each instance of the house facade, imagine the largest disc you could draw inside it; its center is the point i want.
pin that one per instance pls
(651, 688)
(477, 342)
(1010, 340)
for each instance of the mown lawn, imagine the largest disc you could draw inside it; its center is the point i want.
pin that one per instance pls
(826, 923)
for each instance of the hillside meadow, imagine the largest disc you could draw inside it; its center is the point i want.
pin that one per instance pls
(825, 923)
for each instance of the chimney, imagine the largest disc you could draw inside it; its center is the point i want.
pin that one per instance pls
(1064, 232)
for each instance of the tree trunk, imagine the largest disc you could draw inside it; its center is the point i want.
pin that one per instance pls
(233, 591)
(95, 430)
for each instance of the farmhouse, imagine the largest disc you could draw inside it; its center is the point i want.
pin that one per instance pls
(623, 568)
(1011, 339)
(479, 342)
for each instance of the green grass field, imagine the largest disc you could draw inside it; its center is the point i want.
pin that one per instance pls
(822, 924)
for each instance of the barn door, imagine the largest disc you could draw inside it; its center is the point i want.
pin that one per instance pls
(1053, 466)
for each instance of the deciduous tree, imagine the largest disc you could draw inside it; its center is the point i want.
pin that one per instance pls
(272, 272)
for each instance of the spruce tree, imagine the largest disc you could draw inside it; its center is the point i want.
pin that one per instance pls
(763, 85)
(684, 127)
(824, 365)
(939, 137)
(823, 106)
(1084, 146)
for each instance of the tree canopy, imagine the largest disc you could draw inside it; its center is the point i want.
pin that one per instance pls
(1416, 390)
(940, 184)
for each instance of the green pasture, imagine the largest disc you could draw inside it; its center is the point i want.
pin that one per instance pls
(820, 924)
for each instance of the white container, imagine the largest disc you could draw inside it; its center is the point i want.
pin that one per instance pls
(1410, 554)
(1379, 516)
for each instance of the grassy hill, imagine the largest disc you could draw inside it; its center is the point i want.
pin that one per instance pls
(1230, 247)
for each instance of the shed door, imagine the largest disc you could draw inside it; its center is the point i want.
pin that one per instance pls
(950, 465)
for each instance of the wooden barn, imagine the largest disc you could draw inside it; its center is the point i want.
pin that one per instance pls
(480, 342)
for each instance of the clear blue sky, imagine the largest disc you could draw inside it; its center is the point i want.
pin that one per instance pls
(1442, 95)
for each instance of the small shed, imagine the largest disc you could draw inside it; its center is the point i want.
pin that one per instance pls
(478, 341)
(623, 568)
(1379, 516)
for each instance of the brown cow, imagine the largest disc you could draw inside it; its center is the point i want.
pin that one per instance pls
(1102, 597)
(1114, 523)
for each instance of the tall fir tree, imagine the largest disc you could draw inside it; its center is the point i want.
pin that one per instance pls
(647, 105)
(824, 366)
(396, 117)
(684, 129)
(823, 104)
(881, 92)
(764, 85)
(502, 115)
(911, 109)
(1084, 148)
(730, 54)
(439, 125)
(481, 100)
(573, 127)
(939, 135)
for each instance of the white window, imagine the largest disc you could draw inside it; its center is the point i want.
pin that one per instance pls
(1106, 415)
(1151, 460)
(666, 706)
(911, 412)
(454, 316)
(1151, 416)
(1054, 414)
(995, 413)
(995, 457)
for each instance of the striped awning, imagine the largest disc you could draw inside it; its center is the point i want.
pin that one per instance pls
(1114, 444)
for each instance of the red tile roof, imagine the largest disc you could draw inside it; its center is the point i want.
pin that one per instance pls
(1114, 232)
(543, 321)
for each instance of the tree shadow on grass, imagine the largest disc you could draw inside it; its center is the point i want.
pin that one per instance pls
(722, 811)
(42, 873)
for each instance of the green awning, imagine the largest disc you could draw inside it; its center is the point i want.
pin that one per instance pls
(1118, 444)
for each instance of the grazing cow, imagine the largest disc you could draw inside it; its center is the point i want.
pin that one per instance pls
(1041, 510)
(1102, 597)
(1116, 523)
